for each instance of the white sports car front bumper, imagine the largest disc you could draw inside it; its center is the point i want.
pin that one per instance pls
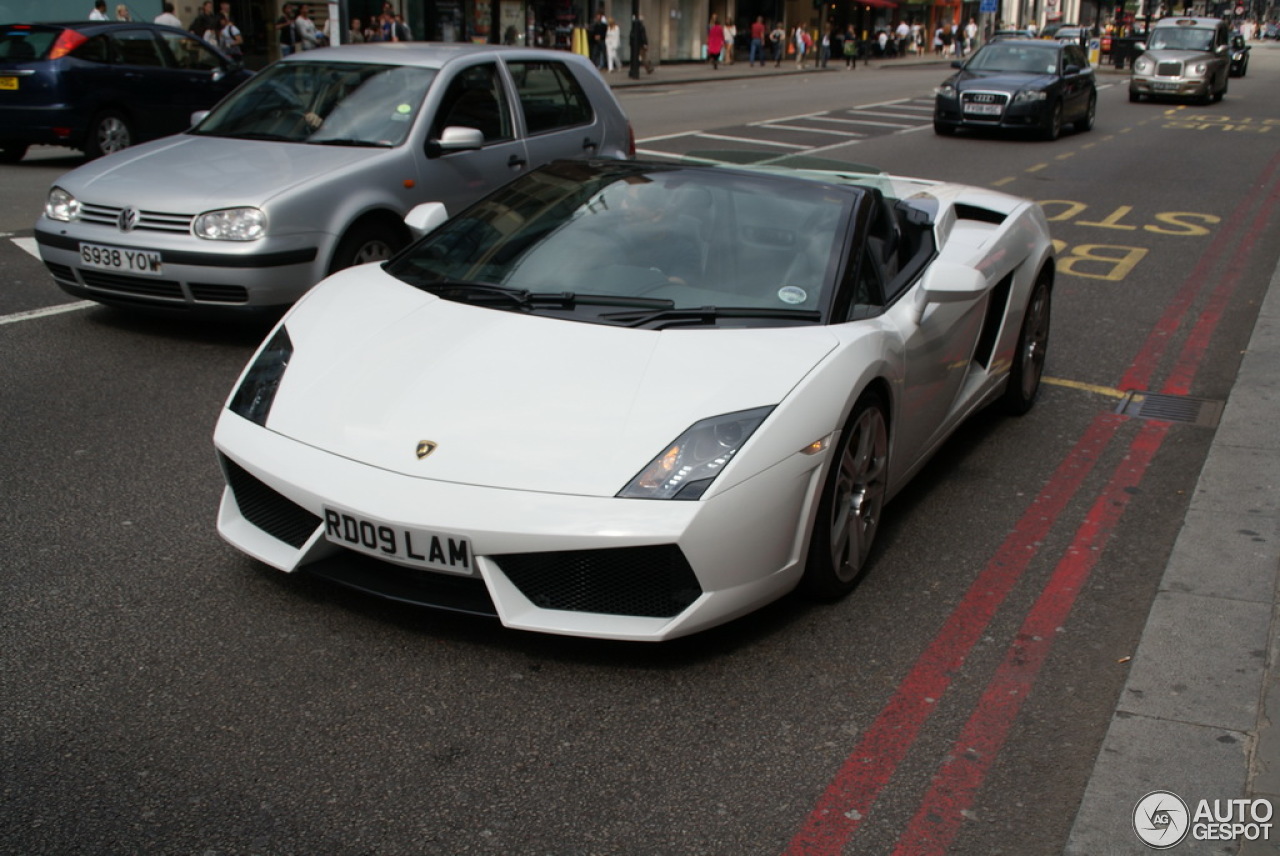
(577, 565)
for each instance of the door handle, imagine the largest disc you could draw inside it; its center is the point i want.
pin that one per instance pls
(516, 162)
(589, 144)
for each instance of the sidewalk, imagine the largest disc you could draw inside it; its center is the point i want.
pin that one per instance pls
(1196, 715)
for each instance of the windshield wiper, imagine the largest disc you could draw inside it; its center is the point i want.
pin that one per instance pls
(470, 290)
(707, 315)
(349, 141)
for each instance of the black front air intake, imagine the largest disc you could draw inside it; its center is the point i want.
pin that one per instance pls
(650, 582)
(274, 514)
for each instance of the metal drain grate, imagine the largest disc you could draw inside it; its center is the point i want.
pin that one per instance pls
(1172, 408)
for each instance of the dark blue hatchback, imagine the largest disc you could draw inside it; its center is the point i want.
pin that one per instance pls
(100, 86)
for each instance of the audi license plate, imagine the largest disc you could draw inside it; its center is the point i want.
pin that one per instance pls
(8, 83)
(416, 548)
(121, 260)
(983, 109)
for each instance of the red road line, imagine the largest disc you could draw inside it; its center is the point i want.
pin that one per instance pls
(939, 817)
(847, 801)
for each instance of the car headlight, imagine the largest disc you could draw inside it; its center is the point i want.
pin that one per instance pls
(686, 468)
(1144, 66)
(1026, 95)
(1199, 69)
(231, 224)
(61, 205)
(257, 392)
(946, 90)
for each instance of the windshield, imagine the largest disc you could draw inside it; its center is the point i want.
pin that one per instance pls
(569, 240)
(1181, 38)
(323, 103)
(1025, 56)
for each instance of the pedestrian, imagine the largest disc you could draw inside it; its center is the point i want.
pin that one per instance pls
(756, 51)
(230, 39)
(849, 47)
(640, 44)
(715, 41)
(937, 40)
(730, 35)
(599, 29)
(882, 43)
(612, 41)
(167, 18)
(801, 40)
(307, 35)
(204, 20)
(903, 33)
(778, 38)
(99, 12)
(355, 35)
(970, 35)
(122, 13)
(287, 31)
(824, 47)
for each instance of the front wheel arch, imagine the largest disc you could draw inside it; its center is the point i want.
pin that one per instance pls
(372, 237)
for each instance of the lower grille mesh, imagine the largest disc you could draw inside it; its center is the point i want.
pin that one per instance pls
(274, 514)
(653, 582)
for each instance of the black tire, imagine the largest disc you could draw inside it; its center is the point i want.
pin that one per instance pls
(12, 152)
(849, 510)
(109, 132)
(1135, 96)
(1033, 344)
(1086, 122)
(1053, 128)
(370, 241)
(944, 130)
(1222, 93)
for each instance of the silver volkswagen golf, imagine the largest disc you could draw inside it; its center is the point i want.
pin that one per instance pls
(310, 167)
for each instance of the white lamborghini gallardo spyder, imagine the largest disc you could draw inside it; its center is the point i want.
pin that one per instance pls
(634, 400)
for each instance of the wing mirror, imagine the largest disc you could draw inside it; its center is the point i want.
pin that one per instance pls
(421, 219)
(948, 282)
(456, 138)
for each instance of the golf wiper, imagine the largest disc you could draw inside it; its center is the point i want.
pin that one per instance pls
(349, 141)
(707, 315)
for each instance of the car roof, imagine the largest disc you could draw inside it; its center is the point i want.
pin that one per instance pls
(1186, 21)
(424, 54)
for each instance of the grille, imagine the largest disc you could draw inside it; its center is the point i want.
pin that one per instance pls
(652, 582)
(148, 221)
(272, 513)
(1172, 408)
(211, 292)
(142, 286)
(985, 98)
(62, 272)
(1169, 69)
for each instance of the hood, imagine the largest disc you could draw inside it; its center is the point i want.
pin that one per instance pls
(1177, 55)
(193, 173)
(1009, 81)
(512, 400)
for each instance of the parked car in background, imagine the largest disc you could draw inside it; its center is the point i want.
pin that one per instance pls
(311, 166)
(1071, 35)
(101, 86)
(1183, 58)
(1034, 85)
(634, 400)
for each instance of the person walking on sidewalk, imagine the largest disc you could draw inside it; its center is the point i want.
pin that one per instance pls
(757, 42)
(801, 37)
(715, 41)
(640, 43)
(778, 37)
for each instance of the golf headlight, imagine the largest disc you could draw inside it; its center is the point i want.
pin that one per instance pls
(1027, 95)
(1144, 66)
(61, 205)
(946, 90)
(686, 468)
(254, 396)
(231, 224)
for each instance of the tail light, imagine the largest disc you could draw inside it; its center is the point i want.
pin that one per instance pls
(66, 43)
(631, 141)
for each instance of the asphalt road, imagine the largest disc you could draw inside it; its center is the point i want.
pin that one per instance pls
(161, 693)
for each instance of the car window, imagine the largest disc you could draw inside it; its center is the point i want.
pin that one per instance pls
(1074, 55)
(1026, 56)
(326, 103)
(476, 99)
(137, 47)
(24, 44)
(1181, 38)
(189, 52)
(550, 96)
(96, 49)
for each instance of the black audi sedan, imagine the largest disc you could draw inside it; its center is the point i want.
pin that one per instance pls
(100, 86)
(1032, 85)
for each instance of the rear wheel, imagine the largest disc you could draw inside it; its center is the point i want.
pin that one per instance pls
(1085, 123)
(12, 152)
(849, 509)
(109, 132)
(1033, 344)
